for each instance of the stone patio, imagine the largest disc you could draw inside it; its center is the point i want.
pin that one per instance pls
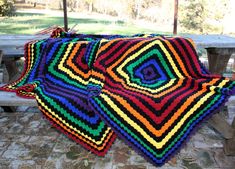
(28, 141)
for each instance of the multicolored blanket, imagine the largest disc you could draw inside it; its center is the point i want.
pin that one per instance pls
(150, 90)
(56, 74)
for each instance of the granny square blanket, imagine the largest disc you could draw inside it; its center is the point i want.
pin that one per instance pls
(149, 90)
(154, 92)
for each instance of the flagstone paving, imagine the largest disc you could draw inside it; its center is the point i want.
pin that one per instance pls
(28, 141)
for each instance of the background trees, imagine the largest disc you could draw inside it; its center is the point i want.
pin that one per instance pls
(195, 16)
(7, 8)
(203, 16)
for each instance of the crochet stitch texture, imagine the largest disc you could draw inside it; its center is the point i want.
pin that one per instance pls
(150, 90)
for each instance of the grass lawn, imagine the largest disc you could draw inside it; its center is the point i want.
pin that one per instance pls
(29, 23)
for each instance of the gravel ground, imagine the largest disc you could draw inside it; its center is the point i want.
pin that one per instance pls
(28, 141)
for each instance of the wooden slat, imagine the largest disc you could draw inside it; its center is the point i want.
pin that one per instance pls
(26, 37)
(212, 41)
(13, 45)
(203, 41)
(10, 99)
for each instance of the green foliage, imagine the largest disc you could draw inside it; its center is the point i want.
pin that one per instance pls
(202, 16)
(193, 15)
(7, 8)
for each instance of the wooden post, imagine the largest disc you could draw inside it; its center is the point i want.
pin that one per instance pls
(175, 17)
(65, 15)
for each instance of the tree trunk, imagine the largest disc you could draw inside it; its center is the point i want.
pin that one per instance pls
(90, 7)
(138, 9)
(47, 4)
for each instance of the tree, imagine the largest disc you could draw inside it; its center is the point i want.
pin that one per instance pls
(203, 16)
(90, 4)
(193, 15)
(215, 14)
(7, 8)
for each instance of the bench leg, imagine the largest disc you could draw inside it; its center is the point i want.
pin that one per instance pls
(229, 146)
(218, 122)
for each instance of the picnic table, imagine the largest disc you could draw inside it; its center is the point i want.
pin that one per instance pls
(12, 48)
(219, 50)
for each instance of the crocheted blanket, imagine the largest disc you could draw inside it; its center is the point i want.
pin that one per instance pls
(154, 92)
(56, 74)
(150, 90)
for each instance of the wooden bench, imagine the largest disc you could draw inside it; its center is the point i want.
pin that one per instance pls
(9, 101)
(11, 49)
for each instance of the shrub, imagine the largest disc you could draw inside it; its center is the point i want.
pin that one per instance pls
(7, 8)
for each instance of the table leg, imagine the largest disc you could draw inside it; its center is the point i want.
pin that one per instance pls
(218, 122)
(218, 59)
